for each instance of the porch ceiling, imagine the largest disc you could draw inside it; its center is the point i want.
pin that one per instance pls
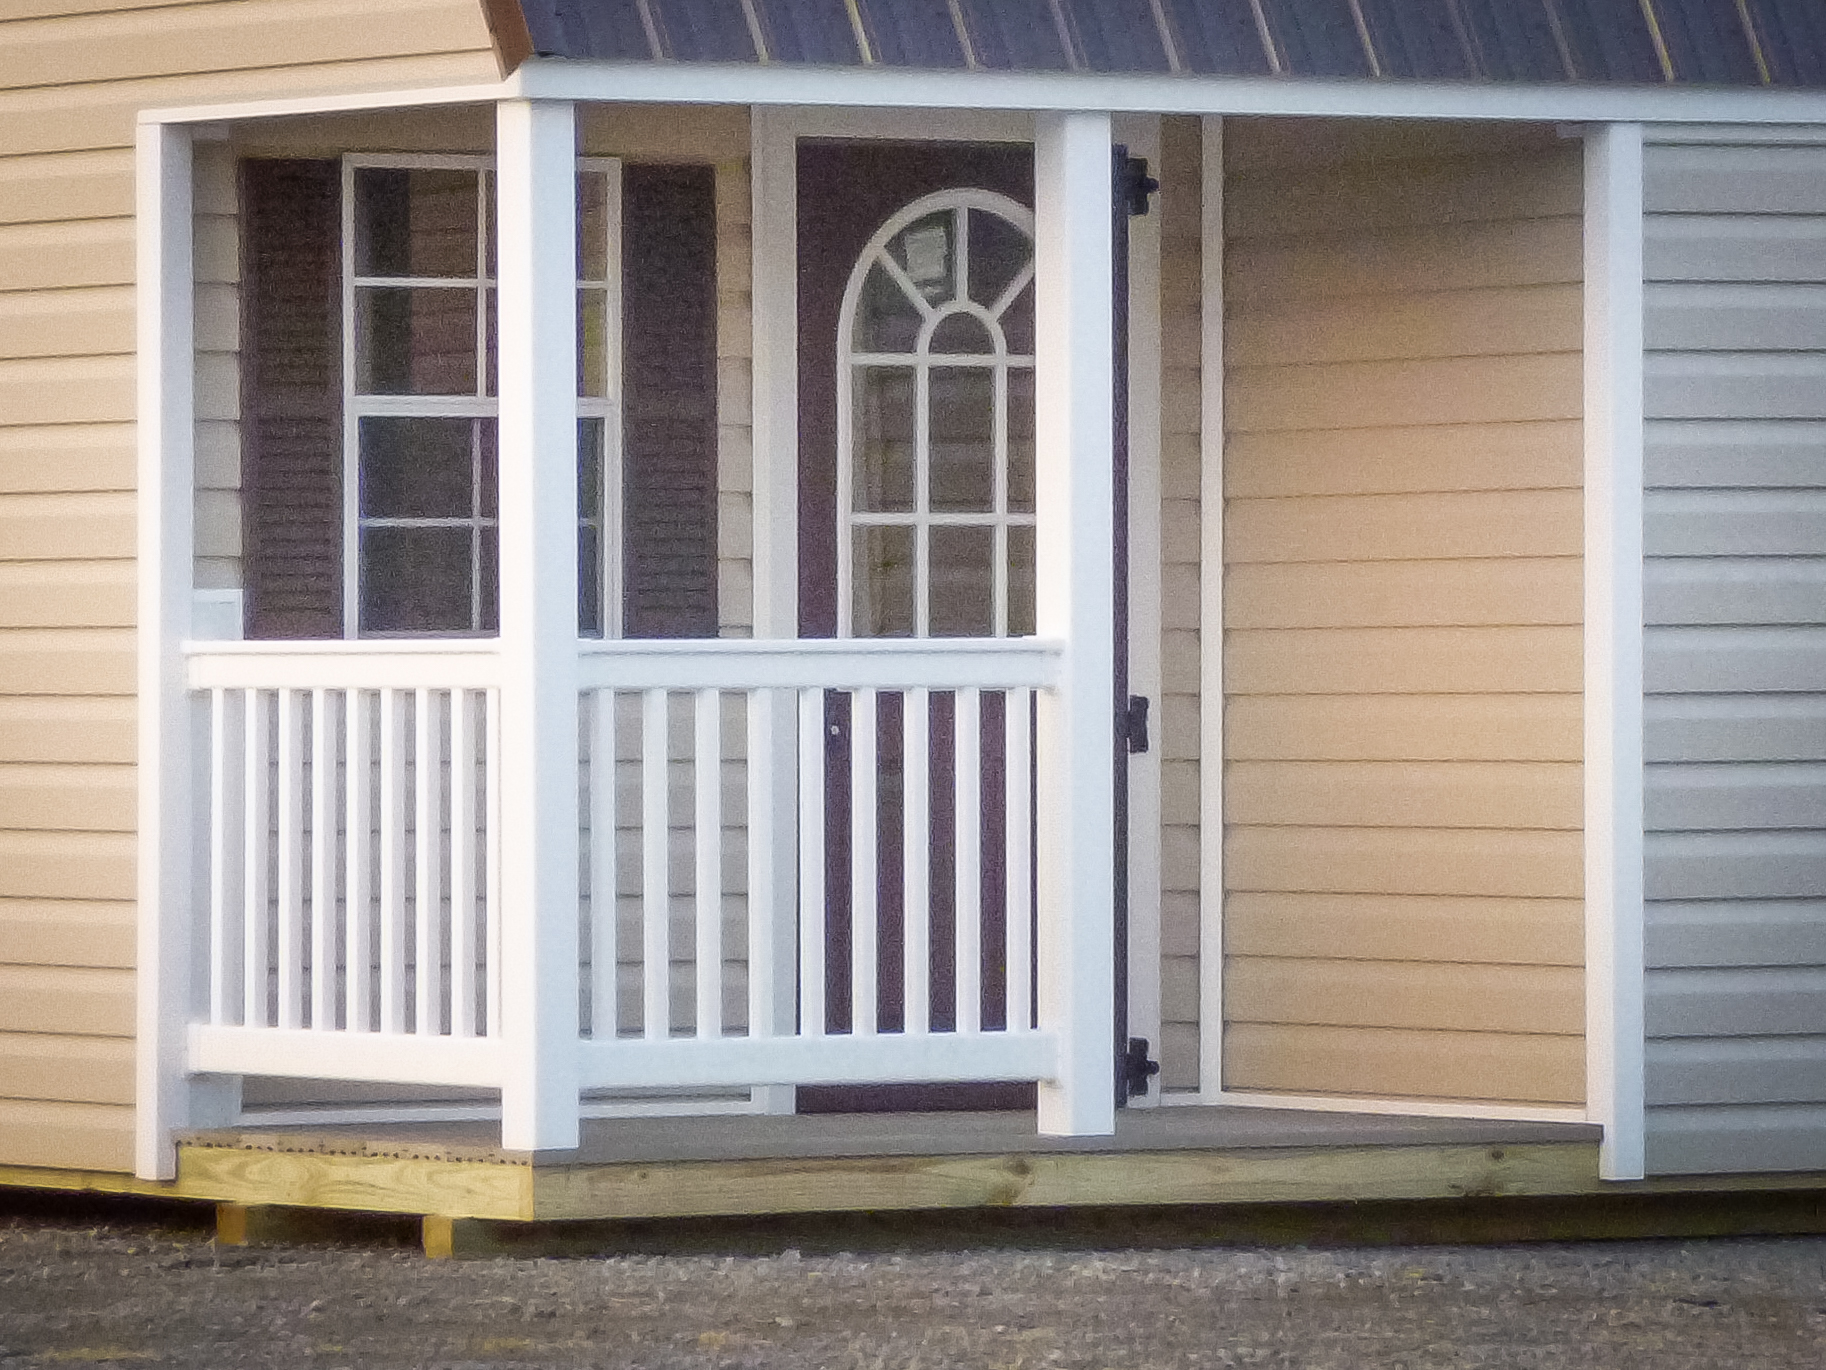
(1638, 42)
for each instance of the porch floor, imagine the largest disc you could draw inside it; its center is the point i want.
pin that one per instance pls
(745, 1164)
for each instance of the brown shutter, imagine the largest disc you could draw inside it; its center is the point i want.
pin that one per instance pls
(291, 397)
(669, 401)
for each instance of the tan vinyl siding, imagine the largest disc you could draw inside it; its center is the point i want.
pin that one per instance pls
(72, 78)
(1177, 727)
(1735, 714)
(1402, 604)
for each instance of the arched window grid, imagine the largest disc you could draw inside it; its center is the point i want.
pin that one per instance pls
(922, 361)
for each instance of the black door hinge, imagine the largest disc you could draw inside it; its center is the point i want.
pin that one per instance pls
(1132, 724)
(1138, 1068)
(1137, 186)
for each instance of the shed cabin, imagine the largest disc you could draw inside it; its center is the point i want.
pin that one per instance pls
(626, 607)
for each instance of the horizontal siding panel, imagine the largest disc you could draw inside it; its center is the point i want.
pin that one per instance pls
(68, 1069)
(1732, 247)
(66, 457)
(1735, 932)
(47, 594)
(66, 323)
(47, 728)
(66, 865)
(1403, 661)
(1400, 594)
(1734, 523)
(1545, 455)
(1725, 660)
(1716, 797)
(1384, 1063)
(1464, 323)
(67, 390)
(1358, 927)
(1754, 317)
(1447, 525)
(1302, 144)
(1534, 865)
(1764, 1001)
(1735, 590)
(1405, 994)
(1404, 728)
(67, 932)
(67, 798)
(1380, 393)
(1749, 453)
(129, 44)
(1734, 180)
(1735, 385)
(1308, 201)
(66, 1136)
(61, 256)
(1738, 1140)
(1436, 794)
(1458, 257)
(64, 999)
(67, 527)
(1725, 727)
(1733, 865)
(66, 186)
(1742, 1070)
(76, 661)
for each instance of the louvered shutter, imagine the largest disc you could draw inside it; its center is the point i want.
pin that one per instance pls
(291, 397)
(669, 401)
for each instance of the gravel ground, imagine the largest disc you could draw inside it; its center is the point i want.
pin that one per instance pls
(148, 1291)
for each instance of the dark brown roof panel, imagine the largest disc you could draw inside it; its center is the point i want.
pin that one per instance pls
(1637, 42)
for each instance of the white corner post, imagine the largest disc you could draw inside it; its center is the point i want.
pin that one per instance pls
(536, 159)
(1613, 645)
(1075, 502)
(1211, 614)
(164, 275)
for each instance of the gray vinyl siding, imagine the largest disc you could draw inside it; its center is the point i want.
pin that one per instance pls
(1735, 658)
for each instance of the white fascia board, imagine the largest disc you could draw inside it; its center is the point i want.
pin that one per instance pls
(783, 86)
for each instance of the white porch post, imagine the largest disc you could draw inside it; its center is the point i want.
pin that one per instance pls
(536, 151)
(1613, 645)
(1073, 319)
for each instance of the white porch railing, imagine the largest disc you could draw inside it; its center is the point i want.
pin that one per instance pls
(353, 861)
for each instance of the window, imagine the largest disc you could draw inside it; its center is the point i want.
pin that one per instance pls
(935, 424)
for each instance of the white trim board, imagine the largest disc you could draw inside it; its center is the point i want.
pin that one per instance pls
(905, 90)
(1211, 613)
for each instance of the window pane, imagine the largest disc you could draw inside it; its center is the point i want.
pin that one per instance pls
(592, 226)
(1020, 441)
(415, 580)
(886, 319)
(485, 434)
(589, 581)
(998, 252)
(489, 618)
(883, 401)
(962, 333)
(593, 343)
(924, 250)
(1020, 582)
(1017, 323)
(963, 582)
(418, 468)
(415, 341)
(589, 469)
(883, 582)
(962, 429)
(415, 223)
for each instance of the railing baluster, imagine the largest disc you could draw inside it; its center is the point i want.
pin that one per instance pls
(968, 857)
(427, 831)
(916, 853)
(1017, 862)
(811, 863)
(323, 851)
(604, 899)
(462, 863)
(256, 999)
(491, 910)
(763, 970)
(221, 861)
(864, 862)
(655, 874)
(291, 861)
(392, 863)
(707, 758)
(358, 862)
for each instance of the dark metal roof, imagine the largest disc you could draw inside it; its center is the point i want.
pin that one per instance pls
(1644, 42)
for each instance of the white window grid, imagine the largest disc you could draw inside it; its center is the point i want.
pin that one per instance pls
(921, 361)
(603, 408)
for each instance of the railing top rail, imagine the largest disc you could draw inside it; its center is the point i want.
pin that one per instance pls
(821, 663)
(343, 665)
